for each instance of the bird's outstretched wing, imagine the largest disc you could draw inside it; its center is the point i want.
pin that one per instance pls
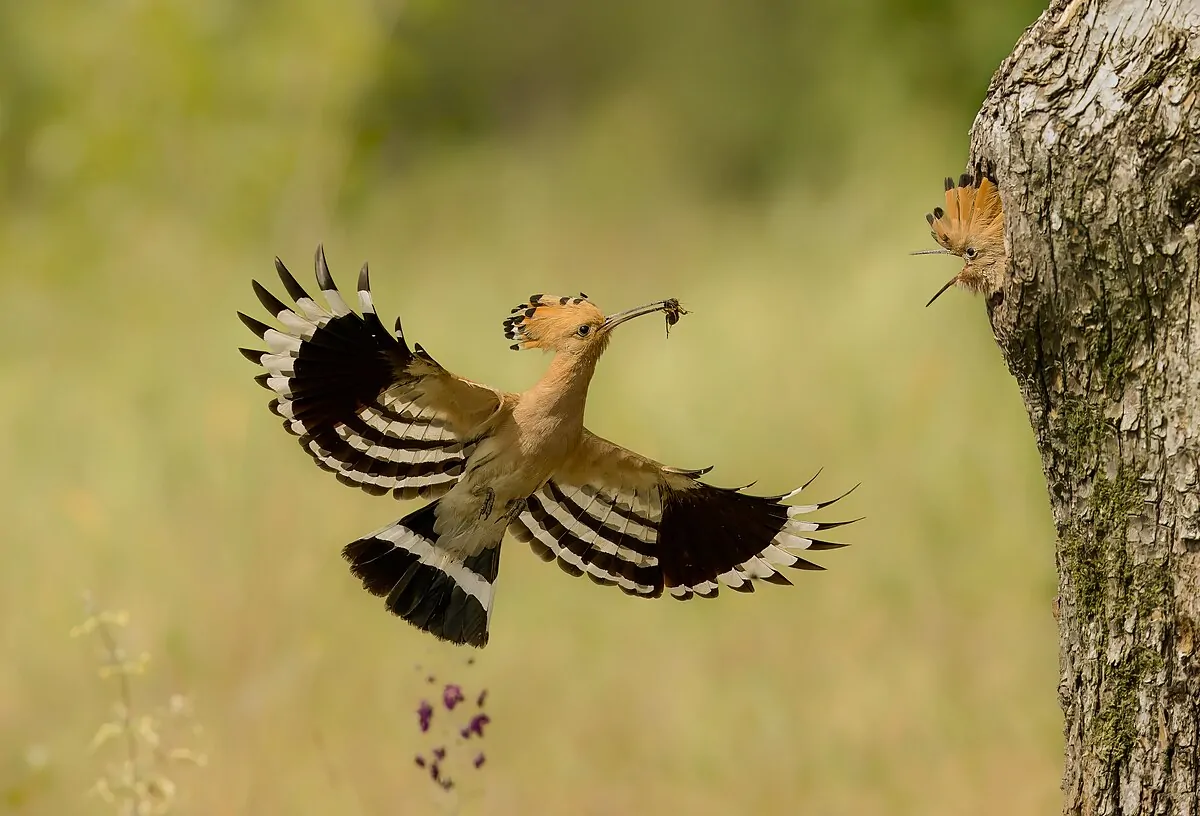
(381, 416)
(625, 520)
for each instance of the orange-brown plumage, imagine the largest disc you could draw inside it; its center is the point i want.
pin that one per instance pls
(972, 227)
(554, 322)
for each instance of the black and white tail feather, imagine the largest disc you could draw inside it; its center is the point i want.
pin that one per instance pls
(366, 408)
(447, 596)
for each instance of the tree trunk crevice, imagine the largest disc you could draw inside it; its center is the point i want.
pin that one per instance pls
(1093, 124)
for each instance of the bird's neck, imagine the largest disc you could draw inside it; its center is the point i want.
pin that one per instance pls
(563, 388)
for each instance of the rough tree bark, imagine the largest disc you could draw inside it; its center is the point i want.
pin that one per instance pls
(1094, 125)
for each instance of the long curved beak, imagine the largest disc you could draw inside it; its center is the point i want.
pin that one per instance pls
(949, 283)
(668, 306)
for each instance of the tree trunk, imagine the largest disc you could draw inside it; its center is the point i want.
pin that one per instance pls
(1094, 125)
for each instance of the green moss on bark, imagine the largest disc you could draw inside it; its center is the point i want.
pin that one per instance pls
(1084, 428)
(1094, 551)
(1110, 346)
(1153, 587)
(1114, 729)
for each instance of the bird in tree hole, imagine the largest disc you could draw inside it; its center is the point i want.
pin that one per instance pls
(971, 227)
(387, 418)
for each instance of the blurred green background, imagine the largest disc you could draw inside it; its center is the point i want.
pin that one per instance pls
(767, 162)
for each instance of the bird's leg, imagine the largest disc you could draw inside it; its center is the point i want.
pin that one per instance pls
(489, 499)
(513, 508)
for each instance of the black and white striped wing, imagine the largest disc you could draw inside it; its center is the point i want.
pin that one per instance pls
(624, 520)
(380, 416)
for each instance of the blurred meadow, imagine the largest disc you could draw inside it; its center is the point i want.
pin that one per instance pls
(769, 163)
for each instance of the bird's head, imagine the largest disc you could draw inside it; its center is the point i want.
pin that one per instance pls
(573, 325)
(971, 227)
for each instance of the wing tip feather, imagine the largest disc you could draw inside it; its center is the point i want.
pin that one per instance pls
(256, 326)
(294, 289)
(272, 304)
(321, 267)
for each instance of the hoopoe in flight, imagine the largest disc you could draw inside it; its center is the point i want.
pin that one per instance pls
(972, 227)
(388, 418)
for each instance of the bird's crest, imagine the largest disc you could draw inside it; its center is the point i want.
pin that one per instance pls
(972, 227)
(973, 213)
(544, 319)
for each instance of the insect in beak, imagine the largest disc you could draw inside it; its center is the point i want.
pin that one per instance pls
(673, 312)
(671, 307)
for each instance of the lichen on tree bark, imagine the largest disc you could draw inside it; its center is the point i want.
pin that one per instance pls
(1094, 125)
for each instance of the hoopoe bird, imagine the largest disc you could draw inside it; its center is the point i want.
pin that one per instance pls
(388, 418)
(971, 227)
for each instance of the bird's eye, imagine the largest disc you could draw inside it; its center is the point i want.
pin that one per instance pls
(970, 253)
(583, 330)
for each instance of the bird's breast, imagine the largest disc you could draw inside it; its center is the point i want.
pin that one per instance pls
(507, 465)
(518, 457)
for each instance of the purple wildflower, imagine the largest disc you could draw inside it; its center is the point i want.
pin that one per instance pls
(435, 773)
(475, 726)
(424, 715)
(434, 757)
(452, 696)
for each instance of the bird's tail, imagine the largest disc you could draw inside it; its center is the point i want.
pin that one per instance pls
(434, 589)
